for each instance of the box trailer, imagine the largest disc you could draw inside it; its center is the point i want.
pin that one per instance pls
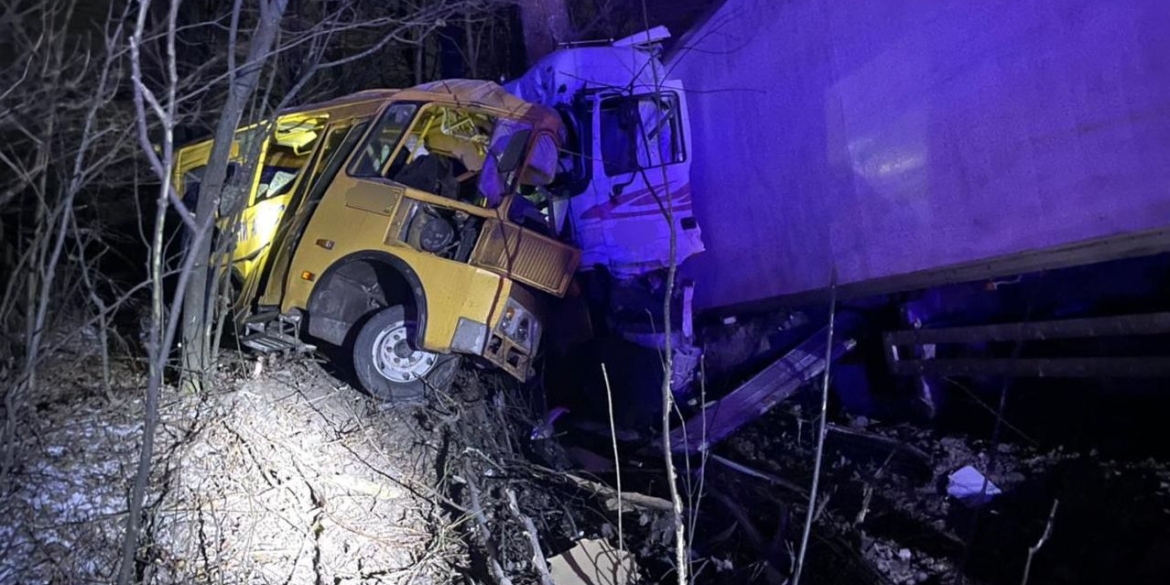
(912, 144)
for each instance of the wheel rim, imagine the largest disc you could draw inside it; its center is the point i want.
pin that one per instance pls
(397, 360)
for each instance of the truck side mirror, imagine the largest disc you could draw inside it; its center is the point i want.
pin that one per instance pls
(513, 155)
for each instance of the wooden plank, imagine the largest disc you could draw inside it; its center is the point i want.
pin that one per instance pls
(758, 395)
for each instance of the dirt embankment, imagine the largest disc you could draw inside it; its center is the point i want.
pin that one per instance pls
(282, 474)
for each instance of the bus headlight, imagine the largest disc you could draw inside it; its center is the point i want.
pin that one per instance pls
(519, 325)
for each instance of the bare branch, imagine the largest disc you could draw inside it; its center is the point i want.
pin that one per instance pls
(1032, 550)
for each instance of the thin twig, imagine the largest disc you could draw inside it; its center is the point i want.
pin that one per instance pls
(987, 407)
(812, 496)
(617, 464)
(680, 531)
(696, 496)
(1032, 550)
(749, 471)
(993, 450)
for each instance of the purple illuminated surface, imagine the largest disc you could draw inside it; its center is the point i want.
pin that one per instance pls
(893, 137)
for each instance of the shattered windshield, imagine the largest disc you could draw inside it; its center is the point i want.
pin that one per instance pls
(640, 132)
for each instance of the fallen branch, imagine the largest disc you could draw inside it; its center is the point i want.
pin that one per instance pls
(530, 528)
(627, 499)
(749, 471)
(485, 533)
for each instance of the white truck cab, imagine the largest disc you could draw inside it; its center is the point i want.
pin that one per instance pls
(626, 165)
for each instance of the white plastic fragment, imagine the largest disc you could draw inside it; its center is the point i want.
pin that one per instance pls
(966, 484)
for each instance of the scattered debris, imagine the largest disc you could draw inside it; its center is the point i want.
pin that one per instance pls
(291, 477)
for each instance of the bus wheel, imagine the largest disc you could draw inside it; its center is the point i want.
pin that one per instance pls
(390, 367)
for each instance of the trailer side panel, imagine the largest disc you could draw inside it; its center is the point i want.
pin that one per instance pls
(913, 143)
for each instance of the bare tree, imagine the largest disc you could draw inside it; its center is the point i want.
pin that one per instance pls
(59, 138)
(244, 78)
(546, 24)
(159, 342)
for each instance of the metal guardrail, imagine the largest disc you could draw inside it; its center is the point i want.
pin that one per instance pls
(1040, 331)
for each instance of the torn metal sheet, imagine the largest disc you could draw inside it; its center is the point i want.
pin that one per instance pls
(593, 562)
(626, 166)
(758, 395)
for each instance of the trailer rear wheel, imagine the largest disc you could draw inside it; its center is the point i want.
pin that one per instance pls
(388, 364)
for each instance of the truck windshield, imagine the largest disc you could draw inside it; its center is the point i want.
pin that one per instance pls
(640, 132)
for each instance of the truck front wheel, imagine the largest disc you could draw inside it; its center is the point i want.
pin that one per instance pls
(389, 365)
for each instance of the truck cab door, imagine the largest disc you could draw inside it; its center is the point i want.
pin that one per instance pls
(639, 151)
